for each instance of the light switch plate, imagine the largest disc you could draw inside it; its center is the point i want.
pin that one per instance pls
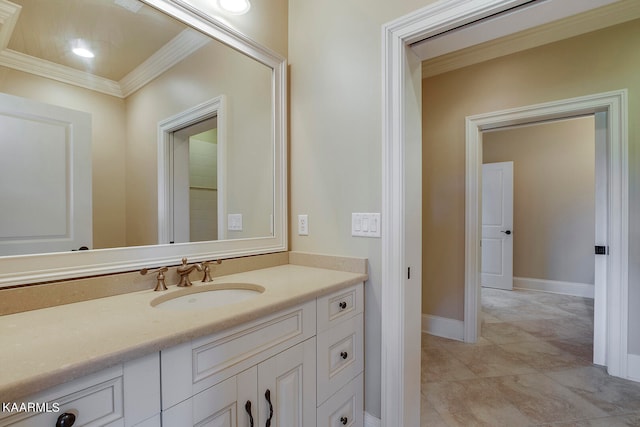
(365, 224)
(303, 225)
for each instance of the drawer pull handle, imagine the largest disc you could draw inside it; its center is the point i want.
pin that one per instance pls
(66, 420)
(344, 420)
(342, 305)
(267, 395)
(344, 354)
(247, 407)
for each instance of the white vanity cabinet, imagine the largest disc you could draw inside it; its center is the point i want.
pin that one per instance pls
(309, 358)
(269, 362)
(124, 395)
(299, 367)
(340, 358)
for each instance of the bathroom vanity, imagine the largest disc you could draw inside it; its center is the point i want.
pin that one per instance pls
(292, 355)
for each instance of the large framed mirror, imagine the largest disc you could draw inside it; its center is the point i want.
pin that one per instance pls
(169, 142)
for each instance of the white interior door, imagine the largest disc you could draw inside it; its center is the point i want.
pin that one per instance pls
(45, 177)
(497, 225)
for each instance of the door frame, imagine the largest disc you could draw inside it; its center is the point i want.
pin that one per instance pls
(610, 310)
(215, 107)
(400, 342)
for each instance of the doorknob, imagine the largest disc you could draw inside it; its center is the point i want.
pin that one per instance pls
(506, 232)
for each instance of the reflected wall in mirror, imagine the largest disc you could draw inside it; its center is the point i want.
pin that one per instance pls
(147, 67)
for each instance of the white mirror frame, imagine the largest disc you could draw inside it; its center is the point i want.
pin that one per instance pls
(37, 268)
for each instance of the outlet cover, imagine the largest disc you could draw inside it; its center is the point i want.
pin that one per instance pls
(303, 225)
(234, 222)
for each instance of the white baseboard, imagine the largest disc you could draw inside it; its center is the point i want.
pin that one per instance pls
(584, 290)
(371, 421)
(633, 367)
(443, 327)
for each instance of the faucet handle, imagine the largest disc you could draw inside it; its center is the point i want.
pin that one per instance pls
(160, 284)
(207, 271)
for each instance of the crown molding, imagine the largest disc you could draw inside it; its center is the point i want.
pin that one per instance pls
(9, 13)
(178, 48)
(613, 14)
(40, 67)
(181, 46)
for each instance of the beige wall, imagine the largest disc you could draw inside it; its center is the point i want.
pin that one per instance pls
(597, 62)
(554, 197)
(336, 138)
(107, 145)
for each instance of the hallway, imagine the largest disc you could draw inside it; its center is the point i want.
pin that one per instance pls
(531, 367)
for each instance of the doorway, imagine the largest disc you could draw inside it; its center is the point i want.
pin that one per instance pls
(195, 183)
(610, 348)
(553, 227)
(401, 127)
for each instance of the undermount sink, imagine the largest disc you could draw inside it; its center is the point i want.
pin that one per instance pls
(207, 296)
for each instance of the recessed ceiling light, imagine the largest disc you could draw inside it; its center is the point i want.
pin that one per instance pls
(85, 53)
(235, 7)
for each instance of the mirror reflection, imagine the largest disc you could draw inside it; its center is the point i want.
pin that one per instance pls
(87, 144)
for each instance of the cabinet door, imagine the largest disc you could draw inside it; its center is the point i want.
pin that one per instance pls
(222, 405)
(287, 387)
(121, 396)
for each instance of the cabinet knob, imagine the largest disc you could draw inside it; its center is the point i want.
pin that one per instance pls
(66, 420)
(344, 420)
(342, 305)
(344, 354)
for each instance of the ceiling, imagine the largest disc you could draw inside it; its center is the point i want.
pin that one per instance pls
(127, 37)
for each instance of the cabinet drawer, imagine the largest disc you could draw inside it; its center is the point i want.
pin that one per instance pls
(340, 305)
(340, 356)
(192, 367)
(345, 408)
(95, 400)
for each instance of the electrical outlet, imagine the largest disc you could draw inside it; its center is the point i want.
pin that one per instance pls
(234, 222)
(303, 225)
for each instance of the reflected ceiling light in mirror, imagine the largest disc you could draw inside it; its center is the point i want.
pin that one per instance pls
(81, 48)
(83, 52)
(235, 7)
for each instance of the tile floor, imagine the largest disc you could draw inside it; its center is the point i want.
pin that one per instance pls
(531, 367)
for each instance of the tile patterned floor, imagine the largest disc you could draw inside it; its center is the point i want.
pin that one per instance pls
(531, 367)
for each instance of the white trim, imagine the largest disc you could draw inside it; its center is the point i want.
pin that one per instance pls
(371, 421)
(616, 304)
(431, 20)
(443, 327)
(50, 70)
(178, 48)
(633, 369)
(584, 290)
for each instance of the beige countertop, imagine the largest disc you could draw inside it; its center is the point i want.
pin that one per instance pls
(46, 347)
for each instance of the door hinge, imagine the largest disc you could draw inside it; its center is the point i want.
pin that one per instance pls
(602, 250)
(408, 273)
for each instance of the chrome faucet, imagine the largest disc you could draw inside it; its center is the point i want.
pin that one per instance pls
(207, 271)
(184, 270)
